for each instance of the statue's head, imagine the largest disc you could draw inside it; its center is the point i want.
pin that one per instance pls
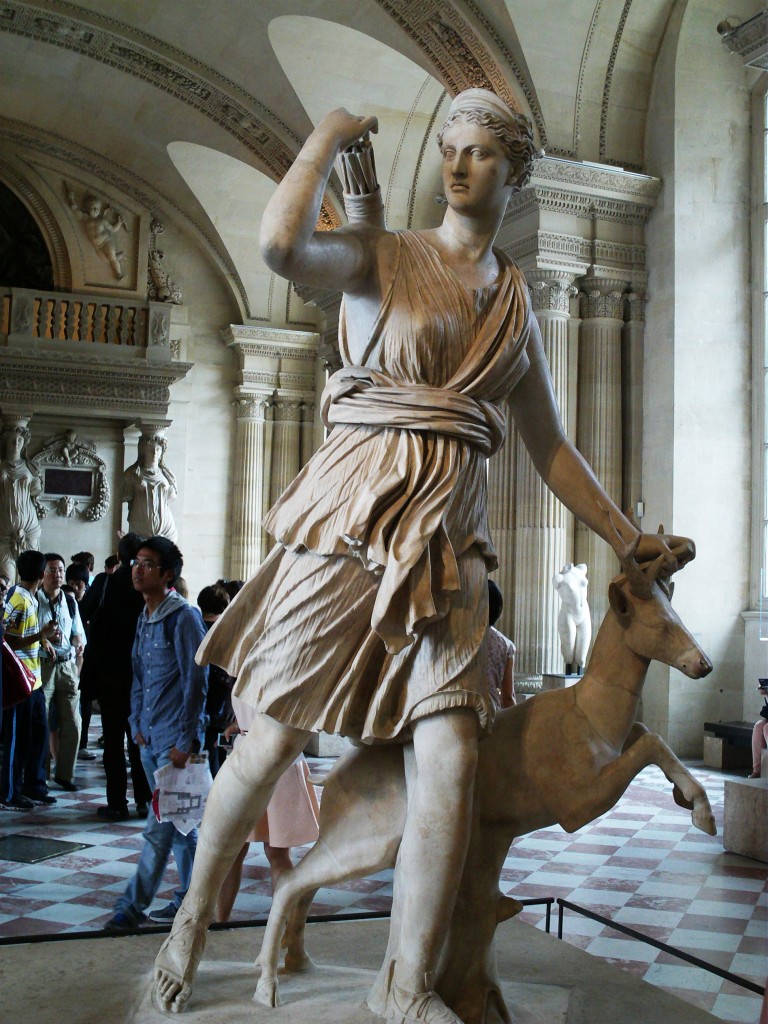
(511, 129)
(151, 449)
(93, 206)
(13, 440)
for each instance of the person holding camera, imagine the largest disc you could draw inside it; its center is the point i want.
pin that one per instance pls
(760, 731)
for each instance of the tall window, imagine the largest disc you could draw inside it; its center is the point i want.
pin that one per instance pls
(760, 321)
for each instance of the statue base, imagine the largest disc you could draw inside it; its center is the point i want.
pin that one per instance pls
(558, 680)
(544, 981)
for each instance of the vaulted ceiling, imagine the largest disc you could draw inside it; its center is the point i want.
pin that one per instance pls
(197, 108)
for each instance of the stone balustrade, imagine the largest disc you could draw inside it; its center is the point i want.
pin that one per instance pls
(28, 314)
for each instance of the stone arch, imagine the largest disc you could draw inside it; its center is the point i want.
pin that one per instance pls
(46, 222)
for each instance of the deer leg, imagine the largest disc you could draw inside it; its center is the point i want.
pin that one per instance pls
(641, 749)
(324, 865)
(686, 791)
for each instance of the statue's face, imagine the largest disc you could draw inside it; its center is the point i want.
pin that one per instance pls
(151, 452)
(94, 208)
(475, 168)
(14, 445)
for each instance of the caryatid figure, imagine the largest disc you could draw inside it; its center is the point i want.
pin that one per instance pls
(149, 487)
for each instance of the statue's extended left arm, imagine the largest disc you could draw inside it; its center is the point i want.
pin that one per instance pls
(566, 472)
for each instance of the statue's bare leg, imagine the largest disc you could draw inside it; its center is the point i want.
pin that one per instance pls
(237, 800)
(432, 855)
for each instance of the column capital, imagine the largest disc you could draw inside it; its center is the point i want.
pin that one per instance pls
(635, 307)
(602, 298)
(287, 408)
(551, 290)
(254, 407)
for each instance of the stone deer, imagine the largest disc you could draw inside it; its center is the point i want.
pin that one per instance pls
(562, 757)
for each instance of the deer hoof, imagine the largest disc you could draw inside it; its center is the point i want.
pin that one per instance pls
(296, 962)
(704, 819)
(267, 993)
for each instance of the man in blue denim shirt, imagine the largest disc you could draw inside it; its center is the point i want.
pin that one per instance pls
(167, 719)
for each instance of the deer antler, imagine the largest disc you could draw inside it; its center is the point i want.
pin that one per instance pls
(639, 583)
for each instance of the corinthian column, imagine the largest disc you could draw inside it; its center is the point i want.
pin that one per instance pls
(632, 373)
(286, 443)
(251, 486)
(543, 525)
(599, 433)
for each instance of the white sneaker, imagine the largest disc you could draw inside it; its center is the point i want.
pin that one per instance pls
(85, 755)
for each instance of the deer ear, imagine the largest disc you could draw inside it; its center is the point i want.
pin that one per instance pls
(620, 605)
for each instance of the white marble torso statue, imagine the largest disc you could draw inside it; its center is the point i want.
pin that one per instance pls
(149, 487)
(20, 484)
(574, 622)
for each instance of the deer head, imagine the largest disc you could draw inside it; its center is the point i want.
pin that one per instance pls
(640, 601)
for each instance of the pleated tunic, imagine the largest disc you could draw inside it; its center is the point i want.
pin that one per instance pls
(371, 610)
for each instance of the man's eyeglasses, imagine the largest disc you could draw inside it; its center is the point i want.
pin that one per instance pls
(145, 564)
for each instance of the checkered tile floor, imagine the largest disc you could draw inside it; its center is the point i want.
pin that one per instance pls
(642, 865)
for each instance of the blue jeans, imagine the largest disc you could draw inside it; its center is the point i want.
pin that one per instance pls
(159, 839)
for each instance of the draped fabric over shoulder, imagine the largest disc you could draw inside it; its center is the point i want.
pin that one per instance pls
(371, 610)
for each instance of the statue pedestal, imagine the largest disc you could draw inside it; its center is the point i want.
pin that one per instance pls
(557, 681)
(544, 981)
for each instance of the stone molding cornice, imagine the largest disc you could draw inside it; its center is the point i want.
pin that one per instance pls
(580, 190)
(271, 343)
(611, 181)
(167, 68)
(750, 41)
(260, 379)
(460, 58)
(114, 384)
(147, 195)
(573, 254)
(303, 383)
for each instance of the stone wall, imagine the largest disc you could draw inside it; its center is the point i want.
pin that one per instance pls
(697, 439)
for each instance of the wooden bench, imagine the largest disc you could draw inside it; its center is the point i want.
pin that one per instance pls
(728, 744)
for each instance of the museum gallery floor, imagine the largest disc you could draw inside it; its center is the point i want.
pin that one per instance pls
(642, 865)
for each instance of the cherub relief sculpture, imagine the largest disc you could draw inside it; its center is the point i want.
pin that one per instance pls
(149, 487)
(20, 486)
(100, 230)
(369, 616)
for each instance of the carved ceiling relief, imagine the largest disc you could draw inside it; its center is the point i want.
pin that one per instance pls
(460, 57)
(167, 68)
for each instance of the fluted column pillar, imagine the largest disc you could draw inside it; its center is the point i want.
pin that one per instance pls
(251, 485)
(632, 376)
(274, 388)
(543, 525)
(501, 521)
(286, 442)
(599, 429)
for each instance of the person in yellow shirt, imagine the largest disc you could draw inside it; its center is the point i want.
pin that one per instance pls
(25, 726)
